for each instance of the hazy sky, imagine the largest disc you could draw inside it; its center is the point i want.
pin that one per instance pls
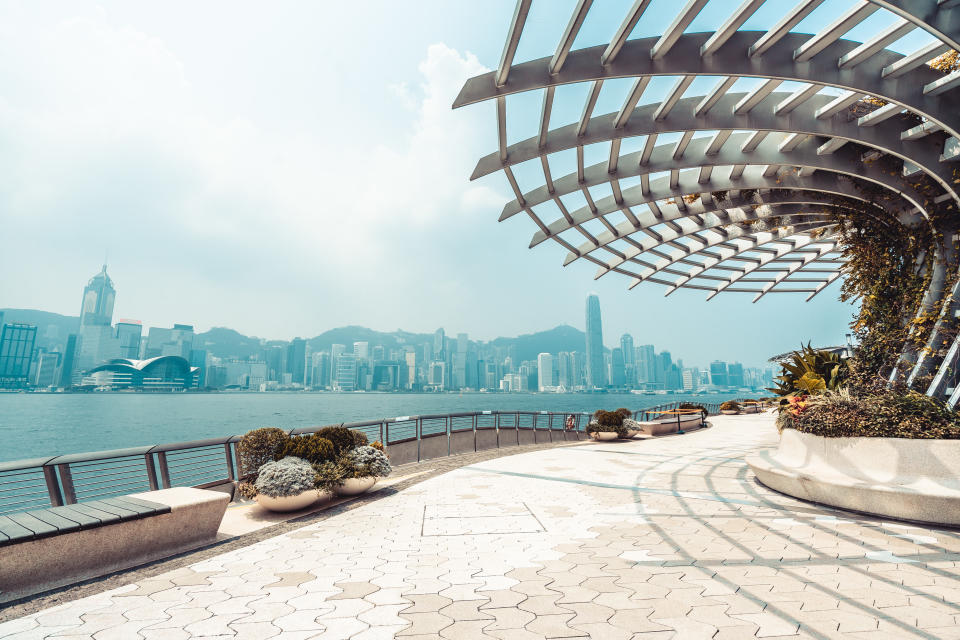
(284, 168)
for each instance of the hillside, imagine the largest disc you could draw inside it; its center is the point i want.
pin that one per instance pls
(52, 328)
(527, 346)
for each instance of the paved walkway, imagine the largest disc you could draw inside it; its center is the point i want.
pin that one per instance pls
(667, 538)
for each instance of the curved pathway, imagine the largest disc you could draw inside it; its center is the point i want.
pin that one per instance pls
(665, 538)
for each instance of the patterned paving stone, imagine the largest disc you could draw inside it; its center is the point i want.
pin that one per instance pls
(661, 539)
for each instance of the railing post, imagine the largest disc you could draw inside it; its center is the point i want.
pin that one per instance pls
(474, 432)
(66, 479)
(151, 471)
(419, 428)
(382, 440)
(449, 421)
(230, 472)
(164, 469)
(53, 487)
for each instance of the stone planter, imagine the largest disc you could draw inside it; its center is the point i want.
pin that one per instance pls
(603, 436)
(907, 479)
(356, 486)
(289, 503)
(632, 432)
(729, 412)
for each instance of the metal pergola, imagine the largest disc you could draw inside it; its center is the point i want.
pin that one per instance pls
(744, 195)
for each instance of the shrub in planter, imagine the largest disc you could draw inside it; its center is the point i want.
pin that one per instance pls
(624, 413)
(313, 448)
(285, 478)
(691, 405)
(730, 405)
(379, 447)
(342, 439)
(607, 421)
(367, 461)
(811, 371)
(255, 449)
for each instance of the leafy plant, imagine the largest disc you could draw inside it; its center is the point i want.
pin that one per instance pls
(329, 475)
(256, 448)
(691, 405)
(379, 447)
(342, 439)
(730, 405)
(285, 477)
(607, 421)
(809, 371)
(880, 412)
(313, 448)
(365, 461)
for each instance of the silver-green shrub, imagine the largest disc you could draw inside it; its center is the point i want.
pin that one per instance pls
(286, 477)
(367, 461)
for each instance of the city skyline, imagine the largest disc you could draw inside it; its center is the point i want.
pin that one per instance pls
(174, 154)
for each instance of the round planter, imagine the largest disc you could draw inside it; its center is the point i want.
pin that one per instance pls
(289, 503)
(729, 412)
(899, 478)
(356, 486)
(632, 432)
(604, 435)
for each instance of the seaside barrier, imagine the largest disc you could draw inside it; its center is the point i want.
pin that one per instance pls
(38, 483)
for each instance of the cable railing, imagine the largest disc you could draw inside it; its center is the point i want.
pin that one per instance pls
(38, 483)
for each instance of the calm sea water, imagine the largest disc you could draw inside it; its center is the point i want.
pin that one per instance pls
(38, 424)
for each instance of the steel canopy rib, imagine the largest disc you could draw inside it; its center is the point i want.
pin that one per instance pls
(876, 44)
(789, 21)
(569, 35)
(623, 31)
(676, 28)
(513, 39)
(734, 22)
(854, 16)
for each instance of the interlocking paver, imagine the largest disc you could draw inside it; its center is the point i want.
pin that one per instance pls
(723, 557)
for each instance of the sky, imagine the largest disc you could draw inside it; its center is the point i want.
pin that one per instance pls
(289, 167)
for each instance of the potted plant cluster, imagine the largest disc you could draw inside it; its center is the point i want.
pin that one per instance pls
(608, 425)
(730, 408)
(288, 473)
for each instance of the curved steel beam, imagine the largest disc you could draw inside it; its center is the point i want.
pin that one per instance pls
(933, 16)
(777, 63)
(684, 117)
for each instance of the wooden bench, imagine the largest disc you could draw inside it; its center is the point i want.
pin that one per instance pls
(54, 521)
(49, 548)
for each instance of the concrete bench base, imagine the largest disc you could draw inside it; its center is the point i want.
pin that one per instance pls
(662, 427)
(35, 566)
(899, 478)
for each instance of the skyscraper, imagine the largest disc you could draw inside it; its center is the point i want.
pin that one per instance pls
(297, 360)
(735, 374)
(545, 371)
(16, 352)
(595, 370)
(629, 359)
(129, 333)
(718, 374)
(618, 377)
(96, 308)
(646, 363)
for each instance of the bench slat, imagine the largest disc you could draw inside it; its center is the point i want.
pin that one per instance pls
(64, 525)
(39, 528)
(14, 531)
(164, 508)
(142, 507)
(102, 517)
(124, 513)
(85, 520)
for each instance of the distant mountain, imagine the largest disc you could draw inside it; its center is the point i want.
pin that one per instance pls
(222, 342)
(52, 328)
(349, 335)
(528, 346)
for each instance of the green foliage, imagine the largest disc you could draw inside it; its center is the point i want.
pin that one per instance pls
(359, 438)
(257, 448)
(329, 475)
(608, 421)
(366, 461)
(313, 448)
(809, 371)
(730, 405)
(285, 477)
(624, 413)
(878, 412)
(341, 438)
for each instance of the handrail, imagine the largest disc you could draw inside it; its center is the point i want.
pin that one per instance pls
(67, 479)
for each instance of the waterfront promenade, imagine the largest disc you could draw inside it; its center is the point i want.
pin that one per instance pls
(664, 538)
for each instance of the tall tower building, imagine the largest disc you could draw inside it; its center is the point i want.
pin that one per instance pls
(545, 371)
(96, 309)
(596, 376)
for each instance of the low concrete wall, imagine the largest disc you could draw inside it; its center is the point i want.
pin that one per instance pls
(434, 447)
(900, 478)
(527, 436)
(487, 439)
(403, 452)
(40, 565)
(461, 442)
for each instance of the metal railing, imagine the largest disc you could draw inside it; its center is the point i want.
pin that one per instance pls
(55, 481)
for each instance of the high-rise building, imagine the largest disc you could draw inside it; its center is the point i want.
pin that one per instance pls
(718, 374)
(594, 335)
(346, 377)
(646, 364)
(45, 373)
(16, 353)
(735, 375)
(629, 359)
(129, 333)
(68, 366)
(691, 379)
(618, 375)
(96, 308)
(297, 360)
(545, 372)
(566, 377)
(361, 350)
(460, 362)
(439, 344)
